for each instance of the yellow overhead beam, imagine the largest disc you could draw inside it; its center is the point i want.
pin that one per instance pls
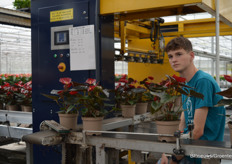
(197, 28)
(190, 28)
(138, 9)
(127, 6)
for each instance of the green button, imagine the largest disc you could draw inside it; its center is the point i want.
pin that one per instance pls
(55, 55)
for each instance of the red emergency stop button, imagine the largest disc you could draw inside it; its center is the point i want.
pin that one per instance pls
(61, 67)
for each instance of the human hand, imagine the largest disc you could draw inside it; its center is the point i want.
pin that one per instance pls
(164, 159)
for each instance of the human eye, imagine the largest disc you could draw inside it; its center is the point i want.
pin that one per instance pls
(179, 54)
(169, 56)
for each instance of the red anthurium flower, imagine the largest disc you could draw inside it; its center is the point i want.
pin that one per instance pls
(147, 83)
(124, 76)
(91, 87)
(29, 83)
(14, 89)
(131, 86)
(73, 92)
(228, 78)
(179, 79)
(123, 80)
(65, 80)
(6, 84)
(60, 92)
(168, 84)
(68, 85)
(156, 98)
(150, 77)
(119, 85)
(90, 81)
(20, 84)
(135, 81)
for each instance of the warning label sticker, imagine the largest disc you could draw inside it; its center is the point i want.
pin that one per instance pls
(61, 15)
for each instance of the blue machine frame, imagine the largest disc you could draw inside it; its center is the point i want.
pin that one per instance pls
(45, 74)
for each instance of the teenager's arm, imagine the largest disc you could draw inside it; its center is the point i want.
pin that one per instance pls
(199, 122)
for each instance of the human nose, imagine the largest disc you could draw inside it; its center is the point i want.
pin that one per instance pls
(175, 58)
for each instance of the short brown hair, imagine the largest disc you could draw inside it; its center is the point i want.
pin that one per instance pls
(179, 43)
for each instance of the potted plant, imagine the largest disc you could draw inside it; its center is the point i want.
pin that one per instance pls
(10, 97)
(67, 100)
(227, 101)
(145, 97)
(125, 96)
(167, 101)
(93, 104)
(25, 96)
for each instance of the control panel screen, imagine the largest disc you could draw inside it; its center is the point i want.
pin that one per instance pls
(61, 37)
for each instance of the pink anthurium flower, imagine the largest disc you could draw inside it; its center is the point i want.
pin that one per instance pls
(65, 80)
(90, 81)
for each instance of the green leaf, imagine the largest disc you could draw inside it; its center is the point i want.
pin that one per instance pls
(110, 105)
(182, 91)
(167, 98)
(159, 94)
(131, 102)
(227, 93)
(155, 106)
(70, 108)
(196, 94)
(53, 97)
(224, 102)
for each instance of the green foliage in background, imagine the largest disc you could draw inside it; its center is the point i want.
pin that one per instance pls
(19, 4)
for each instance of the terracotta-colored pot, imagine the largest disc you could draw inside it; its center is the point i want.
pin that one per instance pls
(141, 108)
(68, 120)
(92, 123)
(12, 107)
(128, 111)
(230, 129)
(25, 108)
(167, 127)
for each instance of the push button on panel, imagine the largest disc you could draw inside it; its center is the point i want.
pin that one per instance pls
(61, 67)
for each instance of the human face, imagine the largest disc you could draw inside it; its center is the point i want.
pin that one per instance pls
(180, 60)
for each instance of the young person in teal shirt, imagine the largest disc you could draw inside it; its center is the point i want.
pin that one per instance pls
(209, 122)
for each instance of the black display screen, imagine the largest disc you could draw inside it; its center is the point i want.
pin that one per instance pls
(61, 37)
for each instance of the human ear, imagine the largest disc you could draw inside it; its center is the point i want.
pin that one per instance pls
(192, 55)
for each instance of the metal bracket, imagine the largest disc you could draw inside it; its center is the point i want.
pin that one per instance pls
(178, 150)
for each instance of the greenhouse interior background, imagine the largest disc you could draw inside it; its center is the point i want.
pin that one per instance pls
(15, 48)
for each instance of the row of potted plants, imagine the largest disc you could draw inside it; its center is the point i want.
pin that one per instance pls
(16, 92)
(91, 100)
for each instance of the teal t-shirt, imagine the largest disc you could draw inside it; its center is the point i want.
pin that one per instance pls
(215, 121)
